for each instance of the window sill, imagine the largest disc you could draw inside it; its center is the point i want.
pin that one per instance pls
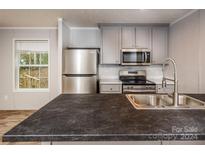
(31, 90)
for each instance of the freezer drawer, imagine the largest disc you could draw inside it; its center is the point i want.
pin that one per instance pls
(79, 85)
(80, 61)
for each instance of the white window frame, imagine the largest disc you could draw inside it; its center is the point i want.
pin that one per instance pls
(16, 89)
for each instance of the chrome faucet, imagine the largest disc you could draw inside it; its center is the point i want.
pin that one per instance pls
(175, 80)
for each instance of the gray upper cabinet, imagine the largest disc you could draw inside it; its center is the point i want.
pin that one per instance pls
(85, 37)
(143, 38)
(115, 37)
(128, 37)
(159, 44)
(136, 37)
(111, 45)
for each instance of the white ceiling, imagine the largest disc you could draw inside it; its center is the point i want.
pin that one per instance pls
(86, 18)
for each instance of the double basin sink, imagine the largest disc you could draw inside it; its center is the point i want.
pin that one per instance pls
(156, 101)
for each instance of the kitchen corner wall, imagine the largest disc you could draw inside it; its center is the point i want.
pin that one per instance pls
(90, 37)
(10, 100)
(186, 46)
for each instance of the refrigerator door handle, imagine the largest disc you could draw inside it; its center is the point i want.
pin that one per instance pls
(79, 75)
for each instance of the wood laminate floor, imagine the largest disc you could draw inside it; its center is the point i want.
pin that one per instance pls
(9, 119)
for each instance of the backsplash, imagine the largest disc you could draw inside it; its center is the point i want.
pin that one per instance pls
(154, 72)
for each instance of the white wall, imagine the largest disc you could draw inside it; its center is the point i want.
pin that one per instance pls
(202, 52)
(184, 48)
(66, 33)
(25, 100)
(63, 41)
(187, 47)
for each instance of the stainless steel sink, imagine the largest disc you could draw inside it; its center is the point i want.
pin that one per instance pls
(156, 101)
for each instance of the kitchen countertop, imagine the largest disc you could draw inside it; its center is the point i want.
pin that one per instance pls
(107, 117)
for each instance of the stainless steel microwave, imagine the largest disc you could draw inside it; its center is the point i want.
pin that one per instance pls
(137, 56)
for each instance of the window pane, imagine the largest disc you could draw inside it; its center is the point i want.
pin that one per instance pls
(32, 58)
(43, 83)
(24, 83)
(44, 58)
(35, 83)
(23, 72)
(24, 58)
(34, 72)
(44, 72)
(37, 58)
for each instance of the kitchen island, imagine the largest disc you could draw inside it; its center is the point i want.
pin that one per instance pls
(107, 117)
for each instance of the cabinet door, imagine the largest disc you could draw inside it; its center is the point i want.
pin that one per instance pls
(128, 37)
(111, 45)
(159, 44)
(84, 38)
(110, 88)
(143, 37)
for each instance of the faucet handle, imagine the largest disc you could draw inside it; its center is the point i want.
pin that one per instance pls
(164, 82)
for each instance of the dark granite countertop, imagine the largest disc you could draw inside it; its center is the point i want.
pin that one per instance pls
(107, 117)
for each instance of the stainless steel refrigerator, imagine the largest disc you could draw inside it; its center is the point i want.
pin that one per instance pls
(80, 71)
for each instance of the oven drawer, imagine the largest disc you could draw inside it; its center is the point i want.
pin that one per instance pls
(139, 89)
(110, 88)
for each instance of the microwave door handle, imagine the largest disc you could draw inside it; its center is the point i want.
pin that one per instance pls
(145, 57)
(121, 57)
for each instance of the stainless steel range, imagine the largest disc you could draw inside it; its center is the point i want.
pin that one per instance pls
(136, 82)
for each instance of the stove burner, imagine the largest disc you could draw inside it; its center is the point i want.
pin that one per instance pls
(138, 82)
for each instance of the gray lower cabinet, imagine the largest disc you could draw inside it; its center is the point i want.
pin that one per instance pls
(110, 88)
(159, 44)
(102, 143)
(111, 45)
(125, 142)
(191, 142)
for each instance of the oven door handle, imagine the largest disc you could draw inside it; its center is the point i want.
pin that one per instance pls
(139, 91)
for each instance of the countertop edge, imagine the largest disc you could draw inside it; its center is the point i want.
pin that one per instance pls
(111, 137)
